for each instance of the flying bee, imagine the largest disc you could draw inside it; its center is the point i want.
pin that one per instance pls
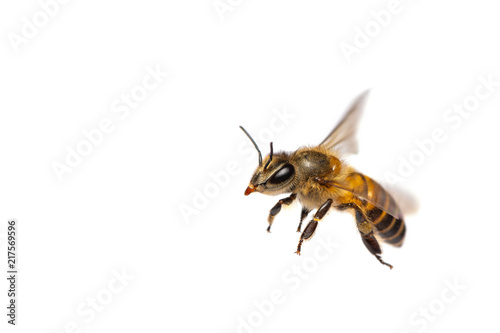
(320, 180)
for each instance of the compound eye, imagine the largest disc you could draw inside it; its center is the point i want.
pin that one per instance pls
(282, 175)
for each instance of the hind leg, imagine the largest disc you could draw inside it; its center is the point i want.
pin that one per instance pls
(371, 243)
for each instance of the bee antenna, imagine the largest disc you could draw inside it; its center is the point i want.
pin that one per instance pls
(270, 157)
(256, 147)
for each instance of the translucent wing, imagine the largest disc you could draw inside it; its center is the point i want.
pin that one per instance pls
(343, 137)
(406, 201)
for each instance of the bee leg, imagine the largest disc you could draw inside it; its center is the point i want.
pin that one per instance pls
(366, 230)
(303, 215)
(277, 208)
(373, 246)
(311, 226)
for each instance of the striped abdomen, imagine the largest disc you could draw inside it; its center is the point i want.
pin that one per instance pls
(379, 208)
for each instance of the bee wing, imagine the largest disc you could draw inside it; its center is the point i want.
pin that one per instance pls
(379, 200)
(343, 137)
(406, 201)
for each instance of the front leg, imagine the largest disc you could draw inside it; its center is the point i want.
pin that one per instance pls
(311, 226)
(277, 208)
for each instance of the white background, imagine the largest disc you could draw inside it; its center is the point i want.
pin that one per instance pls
(119, 210)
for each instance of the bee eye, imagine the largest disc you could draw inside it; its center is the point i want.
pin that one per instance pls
(282, 175)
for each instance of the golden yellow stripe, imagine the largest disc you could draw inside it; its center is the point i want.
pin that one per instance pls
(399, 243)
(380, 218)
(401, 227)
(389, 227)
(370, 187)
(386, 205)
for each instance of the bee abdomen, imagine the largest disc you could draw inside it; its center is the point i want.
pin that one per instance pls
(390, 229)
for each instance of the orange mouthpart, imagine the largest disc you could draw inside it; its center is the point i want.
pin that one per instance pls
(249, 189)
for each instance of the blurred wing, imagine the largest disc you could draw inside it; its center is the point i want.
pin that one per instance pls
(343, 137)
(406, 201)
(381, 199)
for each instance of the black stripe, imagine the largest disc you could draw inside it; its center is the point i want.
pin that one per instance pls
(379, 195)
(391, 232)
(385, 223)
(374, 214)
(396, 240)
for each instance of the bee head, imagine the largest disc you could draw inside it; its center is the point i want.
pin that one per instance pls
(274, 175)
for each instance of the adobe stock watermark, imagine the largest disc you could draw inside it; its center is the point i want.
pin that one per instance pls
(292, 279)
(379, 20)
(31, 26)
(222, 7)
(428, 313)
(122, 107)
(219, 180)
(90, 308)
(453, 118)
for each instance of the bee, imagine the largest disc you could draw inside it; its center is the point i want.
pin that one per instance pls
(320, 180)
